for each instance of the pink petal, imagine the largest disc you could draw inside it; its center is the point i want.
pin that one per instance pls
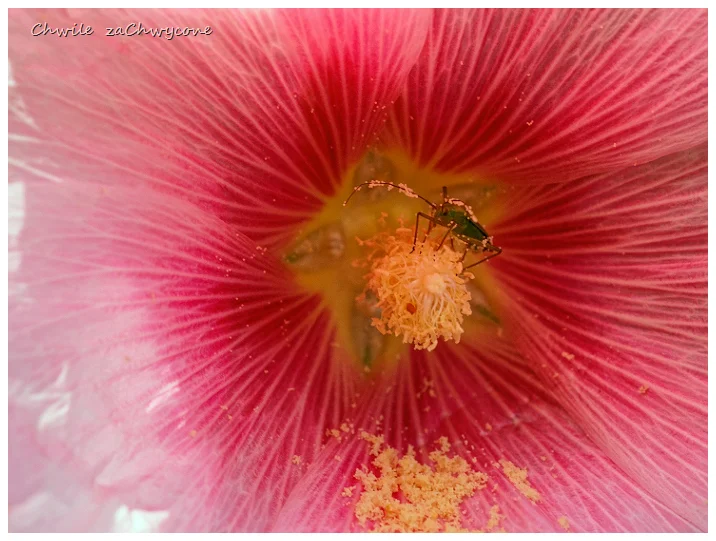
(492, 407)
(553, 95)
(162, 361)
(605, 284)
(258, 120)
(134, 317)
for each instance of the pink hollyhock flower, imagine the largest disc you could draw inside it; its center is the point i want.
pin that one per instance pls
(170, 369)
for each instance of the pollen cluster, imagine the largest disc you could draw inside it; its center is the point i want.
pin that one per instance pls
(422, 293)
(409, 496)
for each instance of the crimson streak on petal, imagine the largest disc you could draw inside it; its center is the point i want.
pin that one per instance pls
(606, 281)
(258, 121)
(554, 95)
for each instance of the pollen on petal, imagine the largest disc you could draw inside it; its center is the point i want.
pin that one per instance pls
(493, 524)
(422, 293)
(518, 477)
(404, 495)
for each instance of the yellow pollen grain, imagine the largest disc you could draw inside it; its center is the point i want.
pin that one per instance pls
(334, 432)
(644, 389)
(568, 356)
(518, 477)
(295, 459)
(347, 492)
(428, 387)
(375, 441)
(564, 523)
(495, 519)
(422, 294)
(401, 494)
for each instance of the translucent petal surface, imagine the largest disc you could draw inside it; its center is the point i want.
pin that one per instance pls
(492, 407)
(135, 341)
(165, 371)
(553, 95)
(607, 285)
(160, 358)
(258, 120)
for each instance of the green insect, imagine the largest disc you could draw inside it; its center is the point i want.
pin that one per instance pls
(453, 214)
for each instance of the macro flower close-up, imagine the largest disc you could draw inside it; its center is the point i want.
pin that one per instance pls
(358, 270)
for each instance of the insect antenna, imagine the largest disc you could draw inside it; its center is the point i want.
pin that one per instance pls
(402, 188)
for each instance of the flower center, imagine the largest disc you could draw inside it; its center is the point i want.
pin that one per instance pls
(435, 283)
(422, 293)
(382, 302)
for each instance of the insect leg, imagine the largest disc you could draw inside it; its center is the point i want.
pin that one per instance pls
(431, 223)
(497, 251)
(450, 227)
(430, 220)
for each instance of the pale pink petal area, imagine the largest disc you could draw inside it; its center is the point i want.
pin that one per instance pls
(258, 121)
(486, 400)
(553, 95)
(605, 285)
(160, 363)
